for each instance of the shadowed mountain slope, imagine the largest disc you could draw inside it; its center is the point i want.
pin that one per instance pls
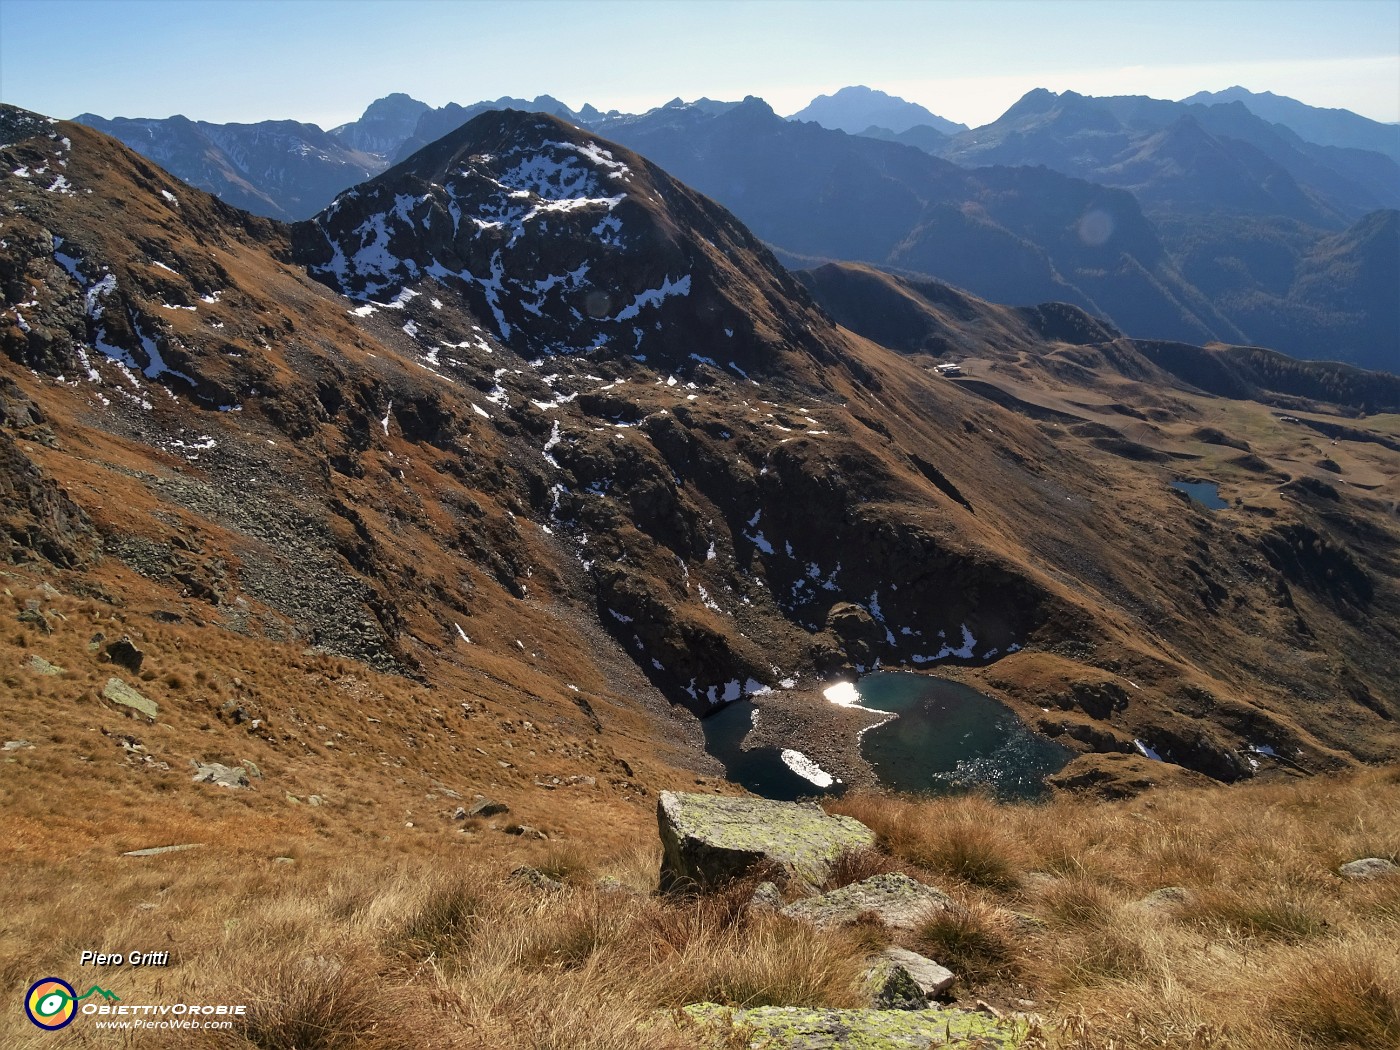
(1016, 235)
(446, 475)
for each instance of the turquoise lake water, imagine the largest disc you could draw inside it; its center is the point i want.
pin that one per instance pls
(947, 738)
(1206, 493)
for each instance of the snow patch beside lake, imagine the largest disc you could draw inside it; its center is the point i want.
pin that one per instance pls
(805, 768)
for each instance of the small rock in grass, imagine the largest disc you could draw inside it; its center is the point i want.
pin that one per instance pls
(892, 987)
(1165, 899)
(219, 774)
(897, 900)
(118, 692)
(536, 879)
(1369, 868)
(487, 807)
(931, 978)
(154, 851)
(123, 653)
(37, 618)
(39, 665)
(766, 895)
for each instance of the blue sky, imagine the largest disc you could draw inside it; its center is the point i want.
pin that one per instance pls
(324, 60)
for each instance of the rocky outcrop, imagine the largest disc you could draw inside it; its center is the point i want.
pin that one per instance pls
(36, 516)
(123, 653)
(220, 775)
(897, 900)
(803, 1028)
(709, 840)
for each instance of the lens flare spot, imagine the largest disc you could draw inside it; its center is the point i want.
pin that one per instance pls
(1095, 227)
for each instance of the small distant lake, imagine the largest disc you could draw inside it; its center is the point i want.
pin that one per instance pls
(1206, 493)
(947, 738)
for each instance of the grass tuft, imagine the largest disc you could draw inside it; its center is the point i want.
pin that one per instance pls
(857, 864)
(973, 941)
(1344, 995)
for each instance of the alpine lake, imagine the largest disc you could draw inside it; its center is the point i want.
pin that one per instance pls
(1206, 493)
(944, 738)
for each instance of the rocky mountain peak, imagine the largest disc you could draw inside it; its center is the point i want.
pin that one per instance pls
(854, 108)
(385, 124)
(1036, 100)
(566, 243)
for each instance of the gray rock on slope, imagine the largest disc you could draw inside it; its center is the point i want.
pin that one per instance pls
(219, 774)
(1369, 868)
(928, 976)
(708, 840)
(899, 901)
(118, 692)
(804, 1028)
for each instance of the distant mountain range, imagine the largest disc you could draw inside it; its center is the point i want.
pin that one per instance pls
(1177, 158)
(1197, 220)
(1326, 127)
(277, 168)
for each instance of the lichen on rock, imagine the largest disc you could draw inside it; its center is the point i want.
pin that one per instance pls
(118, 692)
(711, 839)
(805, 1028)
(899, 901)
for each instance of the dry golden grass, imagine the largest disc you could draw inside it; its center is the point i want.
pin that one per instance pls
(385, 949)
(1264, 947)
(332, 953)
(394, 925)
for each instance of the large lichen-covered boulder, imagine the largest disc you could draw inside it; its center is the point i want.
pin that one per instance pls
(806, 1028)
(899, 901)
(708, 840)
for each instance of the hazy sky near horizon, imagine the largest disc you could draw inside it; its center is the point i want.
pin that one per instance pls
(323, 61)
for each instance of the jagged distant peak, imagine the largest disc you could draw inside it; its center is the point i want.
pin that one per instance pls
(1042, 100)
(396, 102)
(1236, 93)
